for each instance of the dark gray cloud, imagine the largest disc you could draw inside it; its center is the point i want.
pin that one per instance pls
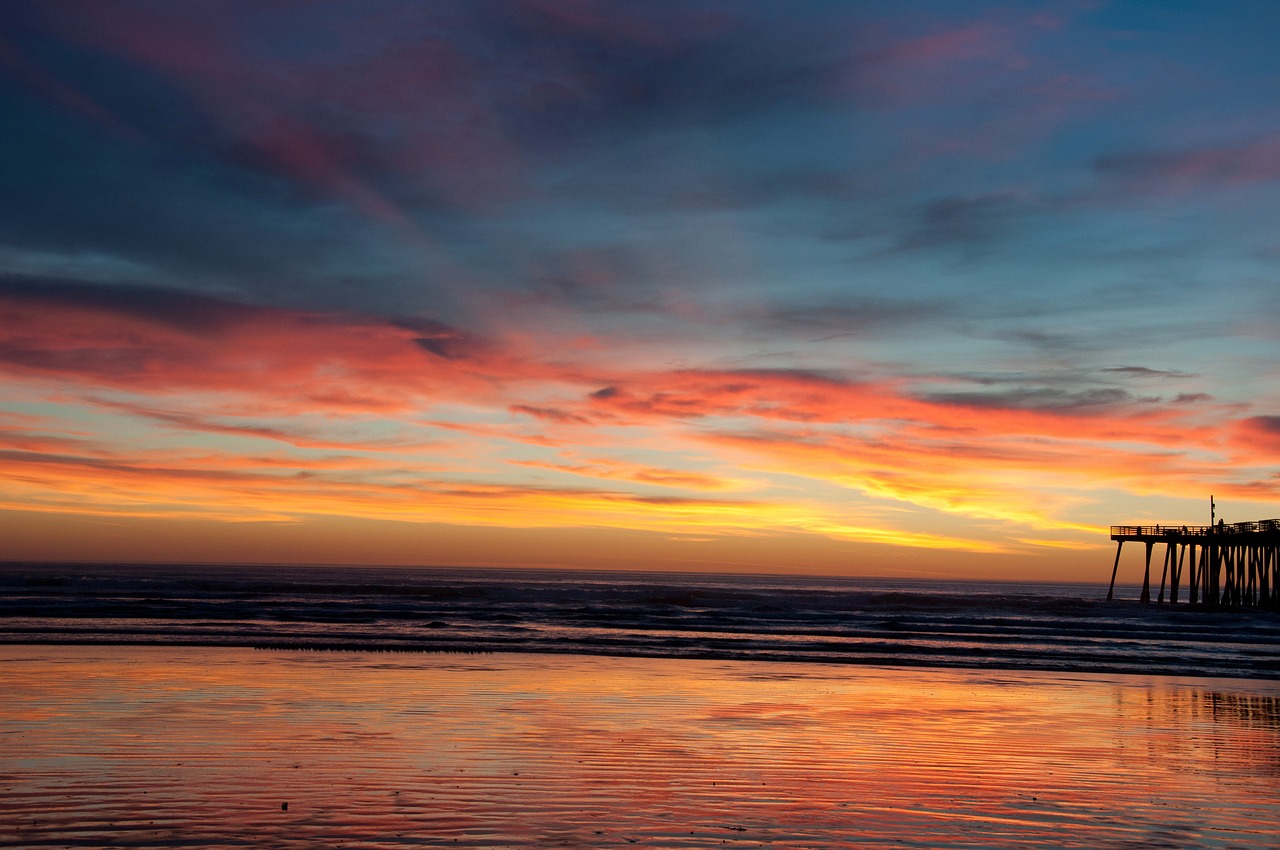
(703, 184)
(636, 66)
(1264, 424)
(69, 192)
(1045, 399)
(186, 311)
(854, 316)
(551, 414)
(205, 145)
(961, 220)
(1144, 372)
(438, 338)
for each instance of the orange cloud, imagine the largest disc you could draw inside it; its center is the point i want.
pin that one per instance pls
(614, 470)
(417, 420)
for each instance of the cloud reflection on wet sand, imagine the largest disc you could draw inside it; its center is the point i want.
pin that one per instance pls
(134, 747)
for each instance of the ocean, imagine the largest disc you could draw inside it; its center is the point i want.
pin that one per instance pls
(1011, 625)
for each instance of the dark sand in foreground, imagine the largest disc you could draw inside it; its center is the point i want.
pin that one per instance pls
(169, 747)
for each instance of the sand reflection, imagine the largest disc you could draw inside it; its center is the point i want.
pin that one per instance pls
(196, 747)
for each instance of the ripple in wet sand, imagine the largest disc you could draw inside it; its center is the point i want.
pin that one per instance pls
(185, 747)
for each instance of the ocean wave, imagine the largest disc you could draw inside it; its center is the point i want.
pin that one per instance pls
(868, 621)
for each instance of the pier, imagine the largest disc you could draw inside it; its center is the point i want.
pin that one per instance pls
(1236, 564)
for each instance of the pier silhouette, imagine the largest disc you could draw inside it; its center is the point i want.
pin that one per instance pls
(1225, 564)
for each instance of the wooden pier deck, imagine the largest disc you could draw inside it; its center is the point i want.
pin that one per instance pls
(1236, 564)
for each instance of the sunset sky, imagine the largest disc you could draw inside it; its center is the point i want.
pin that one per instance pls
(916, 288)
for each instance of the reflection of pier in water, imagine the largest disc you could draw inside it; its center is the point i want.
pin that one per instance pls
(1237, 564)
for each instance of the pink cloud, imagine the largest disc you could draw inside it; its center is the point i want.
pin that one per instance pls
(1003, 67)
(1180, 172)
(609, 20)
(393, 113)
(982, 40)
(290, 361)
(934, 66)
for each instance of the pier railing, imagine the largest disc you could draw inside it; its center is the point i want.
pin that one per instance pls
(1260, 526)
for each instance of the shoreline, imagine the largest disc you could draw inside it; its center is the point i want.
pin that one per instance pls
(890, 662)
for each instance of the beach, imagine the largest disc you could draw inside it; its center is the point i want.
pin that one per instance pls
(170, 746)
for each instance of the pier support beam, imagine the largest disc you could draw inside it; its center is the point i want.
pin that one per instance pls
(1178, 558)
(1146, 575)
(1165, 573)
(1215, 568)
(1229, 588)
(1112, 589)
(1192, 589)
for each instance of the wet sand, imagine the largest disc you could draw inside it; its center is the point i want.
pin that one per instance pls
(199, 747)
